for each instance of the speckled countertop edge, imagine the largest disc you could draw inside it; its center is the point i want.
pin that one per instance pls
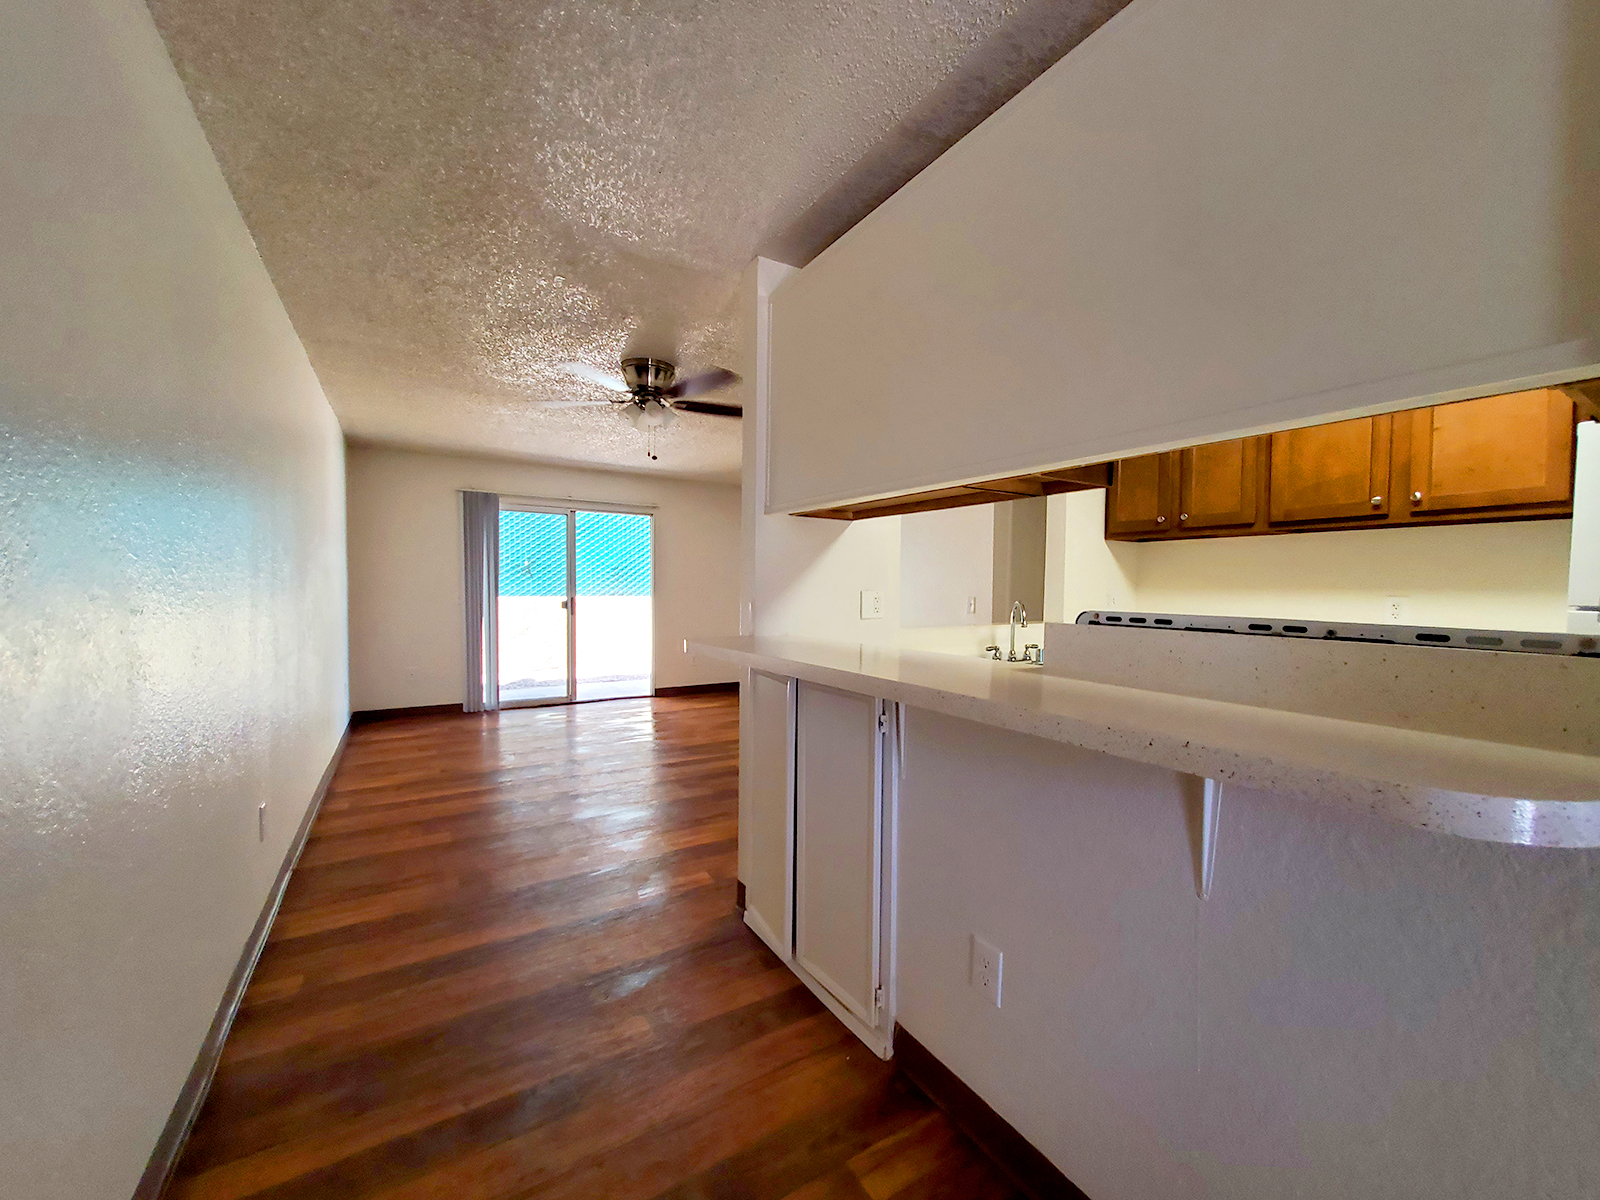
(1455, 785)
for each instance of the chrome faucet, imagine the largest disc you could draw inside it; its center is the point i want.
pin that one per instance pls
(1019, 615)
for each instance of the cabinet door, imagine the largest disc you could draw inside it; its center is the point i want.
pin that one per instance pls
(1330, 472)
(1217, 484)
(838, 844)
(1140, 498)
(767, 812)
(1497, 452)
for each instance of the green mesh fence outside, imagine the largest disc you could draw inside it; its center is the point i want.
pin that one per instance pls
(613, 554)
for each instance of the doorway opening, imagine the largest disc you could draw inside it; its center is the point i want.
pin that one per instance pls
(575, 606)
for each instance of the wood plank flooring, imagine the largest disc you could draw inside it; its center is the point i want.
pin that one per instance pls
(508, 965)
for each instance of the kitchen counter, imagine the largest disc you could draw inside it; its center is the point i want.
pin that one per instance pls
(1451, 783)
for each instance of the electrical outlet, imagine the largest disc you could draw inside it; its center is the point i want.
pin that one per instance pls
(261, 822)
(1394, 609)
(871, 606)
(972, 606)
(987, 963)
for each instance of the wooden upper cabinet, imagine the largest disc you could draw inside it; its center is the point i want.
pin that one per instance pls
(1218, 484)
(1499, 458)
(1140, 499)
(1497, 452)
(1337, 472)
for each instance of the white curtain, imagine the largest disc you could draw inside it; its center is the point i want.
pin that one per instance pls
(481, 521)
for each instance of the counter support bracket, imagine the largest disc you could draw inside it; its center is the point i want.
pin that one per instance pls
(1210, 810)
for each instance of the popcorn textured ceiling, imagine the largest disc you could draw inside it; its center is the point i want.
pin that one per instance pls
(455, 196)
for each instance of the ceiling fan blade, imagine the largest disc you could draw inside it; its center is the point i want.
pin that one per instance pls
(594, 375)
(699, 385)
(709, 407)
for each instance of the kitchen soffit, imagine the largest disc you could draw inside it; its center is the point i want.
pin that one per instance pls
(455, 197)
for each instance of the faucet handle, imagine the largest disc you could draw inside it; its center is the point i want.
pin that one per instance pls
(995, 650)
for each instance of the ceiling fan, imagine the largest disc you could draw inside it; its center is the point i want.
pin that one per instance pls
(655, 396)
(655, 393)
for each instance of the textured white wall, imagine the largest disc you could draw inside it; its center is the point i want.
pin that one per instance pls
(407, 645)
(813, 574)
(947, 559)
(985, 556)
(1497, 575)
(1020, 529)
(801, 576)
(1359, 1008)
(1206, 220)
(172, 592)
(1082, 569)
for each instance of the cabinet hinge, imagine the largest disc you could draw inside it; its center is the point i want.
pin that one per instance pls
(883, 723)
(877, 1001)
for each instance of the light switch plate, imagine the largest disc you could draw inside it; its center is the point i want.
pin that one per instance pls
(871, 606)
(972, 606)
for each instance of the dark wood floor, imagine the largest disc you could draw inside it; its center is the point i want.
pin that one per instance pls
(508, 966)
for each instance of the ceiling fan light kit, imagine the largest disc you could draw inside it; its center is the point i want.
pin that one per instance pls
(650, 414)
(656, 395)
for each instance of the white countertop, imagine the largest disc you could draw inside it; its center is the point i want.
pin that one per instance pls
(1459, 785)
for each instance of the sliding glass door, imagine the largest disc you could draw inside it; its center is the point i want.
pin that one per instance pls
(575, 616)
(534, 622)
(614, 618)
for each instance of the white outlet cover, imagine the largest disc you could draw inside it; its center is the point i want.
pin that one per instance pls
(871, 606)
(988, 966)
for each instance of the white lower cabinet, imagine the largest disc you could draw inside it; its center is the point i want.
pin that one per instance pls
(839, 769)
(819, 788)
(766, 809)
(818, 784)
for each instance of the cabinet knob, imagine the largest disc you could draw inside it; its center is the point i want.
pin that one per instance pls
(1161, 520)
(1416, 496)
(1183, 516)
(1377, 500)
